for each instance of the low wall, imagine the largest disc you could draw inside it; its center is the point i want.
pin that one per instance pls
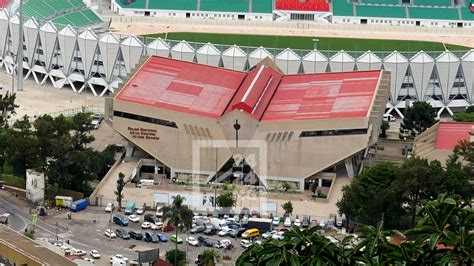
(17, 191)
(93, 200)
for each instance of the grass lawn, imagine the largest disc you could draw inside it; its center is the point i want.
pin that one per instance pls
(14, 181)
(294, 42)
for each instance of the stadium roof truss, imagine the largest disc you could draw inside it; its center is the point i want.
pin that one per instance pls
(99, 63)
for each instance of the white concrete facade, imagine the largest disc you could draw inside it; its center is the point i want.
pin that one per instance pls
(87, 61)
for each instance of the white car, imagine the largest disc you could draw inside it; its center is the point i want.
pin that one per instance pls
(89, 260)
(79, 252)
(95, 254)
(146, 225)
(109, 207)
(134, 218)
(225, 231)
(192, 241)
(110, 233)
(157, 226)
(245, 243)
(118, 257)
(269, 234)
(322, 224)
(287, 222)
(140, 211)
(297, 222)
(278, 235)
(223, 243)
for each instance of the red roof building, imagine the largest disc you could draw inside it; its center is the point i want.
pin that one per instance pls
(305, 123)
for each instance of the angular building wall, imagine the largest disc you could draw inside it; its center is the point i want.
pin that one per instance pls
(101, 62)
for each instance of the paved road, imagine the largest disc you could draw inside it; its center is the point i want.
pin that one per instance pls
(19, 220)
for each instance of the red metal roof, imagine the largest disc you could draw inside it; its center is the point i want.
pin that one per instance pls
(320, 96)
(263, 92)
(450, 133)
(182, 86)
(256, 91)
(303, 5)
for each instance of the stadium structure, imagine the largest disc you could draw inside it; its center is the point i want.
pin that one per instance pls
(425, 13)
(78, 57)
(194, 119)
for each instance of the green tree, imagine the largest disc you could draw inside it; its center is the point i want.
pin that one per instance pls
(81, 124)
(466, 116)
(417, 179)
(119, 190)
(383, 129)
(287, 207)
(369, 197)
(7, 107)
(419, 117)
(448, 222)
(176, 257)
(22, 147)
(209, 257)
(178, 215)
(226, 200)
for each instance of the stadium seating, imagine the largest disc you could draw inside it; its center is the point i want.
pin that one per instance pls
(62, 12)
(298, 5)
(382, 2)
(172, 4)
(380, 11)
(466, 13)
(227, 6)
(432, 2)
(138, 4)
(4, 3)
(430, 13)
(342, 8)
(262, 6)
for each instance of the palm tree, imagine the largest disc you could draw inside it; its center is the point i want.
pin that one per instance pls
(179, 216)
(209, 257)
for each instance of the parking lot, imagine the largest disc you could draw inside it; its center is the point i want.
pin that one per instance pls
(82, 225)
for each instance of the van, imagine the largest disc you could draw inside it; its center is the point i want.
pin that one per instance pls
(130, 207)
(120, 220)
(251, 233)
(145, 182)
(388, 118)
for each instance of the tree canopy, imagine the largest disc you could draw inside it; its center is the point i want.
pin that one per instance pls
(395, 192)
(418, 117)
(443, 235)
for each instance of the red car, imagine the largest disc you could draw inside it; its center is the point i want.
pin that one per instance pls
(168, 228)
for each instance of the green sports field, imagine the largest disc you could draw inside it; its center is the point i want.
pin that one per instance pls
(333, 44)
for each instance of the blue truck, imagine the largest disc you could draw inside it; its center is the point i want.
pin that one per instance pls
(79, 205)
(130, 207)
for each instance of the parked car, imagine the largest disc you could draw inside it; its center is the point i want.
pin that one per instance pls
(198, 229)
(287, 222)
(251, 233)
(233, 226)
(297, 222)
(199, 223)
(110, 233)
(237, 232)
(146, 225)
(162, 237)
(305, 222)
(276, 221)
(245, 219)
(210, 231)
(95, 254)
(151, 237)
(120, 220)
(330, 225)
(224, 232)
(268, 234)
(176, 239)
(322, 224)
(168, 228)
(141, 210)
(245, 243)
(278, 235)
(157, 226)
(118, 257)
(122, 233)
(151, 218)
(192, 241)
(109, 207)
(224, 244)
(134, 218)
(136, 235)
(89, 260)
(205, 241)
(79, 252)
